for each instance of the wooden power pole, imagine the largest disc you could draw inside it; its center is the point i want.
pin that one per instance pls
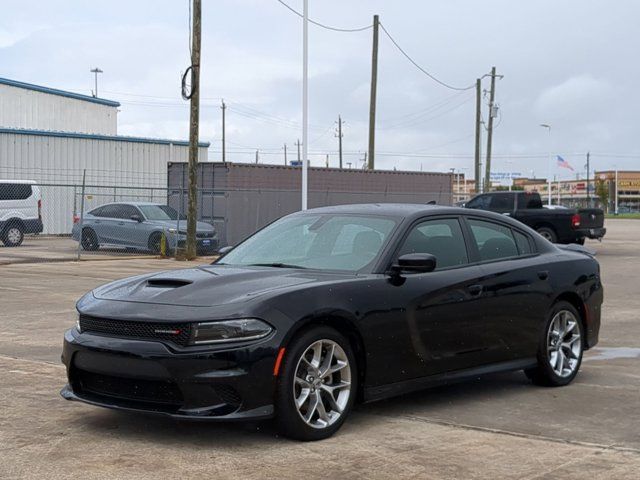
(285, 154)
(478, 173)
(298, 145)
(340, 139)
(224, 150)
(374, 88)
(194, 123)
(492, 97)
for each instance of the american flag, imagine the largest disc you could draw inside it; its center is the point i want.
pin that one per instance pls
(563, 163)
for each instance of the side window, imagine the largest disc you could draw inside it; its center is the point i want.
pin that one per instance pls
(524, 246)
(442, 238)
(127, 211)
(15, 191)
(501, 202)
(494, 241)
(480, 202)
(109, 211)
(97, 212)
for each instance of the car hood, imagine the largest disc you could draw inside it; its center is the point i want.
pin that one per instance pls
(200, 226)
(209, 286)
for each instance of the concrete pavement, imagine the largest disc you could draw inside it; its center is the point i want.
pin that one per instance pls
(498, 426)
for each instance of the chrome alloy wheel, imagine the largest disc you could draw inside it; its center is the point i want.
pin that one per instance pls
(13, 235)
(564, 345)
(322, 385)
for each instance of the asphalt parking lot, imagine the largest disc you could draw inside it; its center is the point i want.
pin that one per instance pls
(498, 426)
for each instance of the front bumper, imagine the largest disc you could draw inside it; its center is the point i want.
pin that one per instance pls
(148, 376)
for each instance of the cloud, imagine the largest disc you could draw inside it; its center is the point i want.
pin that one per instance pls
(575, 96)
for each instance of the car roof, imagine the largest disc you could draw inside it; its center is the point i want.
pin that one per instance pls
(391, 209)
(30, 182)
(135, 204)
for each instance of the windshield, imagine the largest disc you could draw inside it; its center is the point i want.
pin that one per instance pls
(326, 242)
(160, 212)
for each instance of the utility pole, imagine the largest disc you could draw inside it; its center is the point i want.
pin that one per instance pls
(326, 162)
(285, 155)
(374, 88)
(194, 124)
(95, 72)
(224, 150)
(339, 135)
(298, 144)
(492, 96)
(257, 157)
(478, 174)
(588, 190)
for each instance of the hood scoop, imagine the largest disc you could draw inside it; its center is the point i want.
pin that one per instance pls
(167, 282)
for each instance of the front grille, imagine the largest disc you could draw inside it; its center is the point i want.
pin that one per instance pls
(177, 333)
(147, 391)
(204, 235)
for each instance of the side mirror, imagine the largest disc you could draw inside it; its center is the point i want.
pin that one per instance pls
(136, 218)
(414, 263)
(225, 250)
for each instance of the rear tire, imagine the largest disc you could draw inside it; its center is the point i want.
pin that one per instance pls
(90, 240)
(13, 235)
(560, 348)
(548, 233)
(317, 384)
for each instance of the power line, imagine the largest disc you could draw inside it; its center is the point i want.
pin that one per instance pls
(431, 76)
(322, 25)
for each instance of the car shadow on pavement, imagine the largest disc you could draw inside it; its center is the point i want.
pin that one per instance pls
(147, 427)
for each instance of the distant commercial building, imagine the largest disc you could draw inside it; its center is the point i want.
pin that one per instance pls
(54, 136)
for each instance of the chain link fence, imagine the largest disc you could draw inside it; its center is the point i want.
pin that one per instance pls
(45, 222)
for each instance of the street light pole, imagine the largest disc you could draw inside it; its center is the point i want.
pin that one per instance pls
(305, 98)
(95, 72)
(615, 210)
(548, 127)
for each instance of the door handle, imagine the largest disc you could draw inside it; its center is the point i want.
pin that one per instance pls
(97, 221)
(475, 290)
(120, 223)
(543, 274)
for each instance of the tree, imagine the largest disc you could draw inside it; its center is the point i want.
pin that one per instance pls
(602, 191)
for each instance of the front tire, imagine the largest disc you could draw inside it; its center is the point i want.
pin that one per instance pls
(13, 235)
(317, 385)
(155, 242)
(560, 349)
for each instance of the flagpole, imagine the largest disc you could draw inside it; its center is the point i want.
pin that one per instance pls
(548, 127)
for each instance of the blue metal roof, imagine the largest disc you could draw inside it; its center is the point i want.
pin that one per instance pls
(92, 136)
(55, 91)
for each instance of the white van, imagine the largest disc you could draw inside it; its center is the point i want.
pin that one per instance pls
(20, 210)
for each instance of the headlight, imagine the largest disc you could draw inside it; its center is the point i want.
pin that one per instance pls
(172, 230)
(230, 331)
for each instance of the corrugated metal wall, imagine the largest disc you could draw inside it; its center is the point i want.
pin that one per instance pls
(240, 198)
(23, 108)
(115, 170)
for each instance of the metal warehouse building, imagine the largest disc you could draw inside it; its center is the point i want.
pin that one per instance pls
(240, 198)
(53, 137)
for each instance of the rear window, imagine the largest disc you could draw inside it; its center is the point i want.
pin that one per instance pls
(15, 191)
(529, 200)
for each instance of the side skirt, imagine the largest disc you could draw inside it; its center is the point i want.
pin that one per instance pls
(371, 394)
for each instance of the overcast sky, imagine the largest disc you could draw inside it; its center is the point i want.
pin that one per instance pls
(572, 64)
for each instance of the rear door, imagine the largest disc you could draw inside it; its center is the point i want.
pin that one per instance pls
(515, 286)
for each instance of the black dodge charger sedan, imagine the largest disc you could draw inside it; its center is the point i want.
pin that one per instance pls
(335, 305)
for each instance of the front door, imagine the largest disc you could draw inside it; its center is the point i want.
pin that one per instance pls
(431, 324)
